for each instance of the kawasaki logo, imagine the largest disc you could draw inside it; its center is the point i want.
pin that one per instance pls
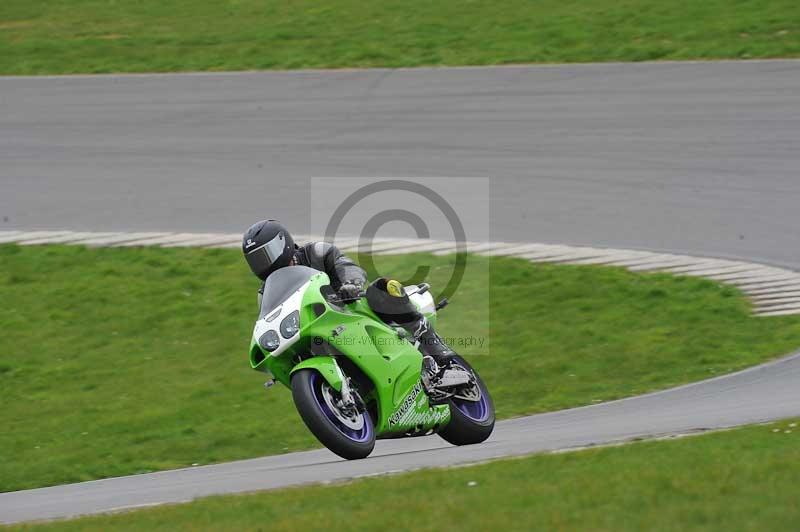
(408, 402)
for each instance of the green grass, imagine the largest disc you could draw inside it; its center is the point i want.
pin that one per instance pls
(66, 36)
(739, 480)
(118, 361)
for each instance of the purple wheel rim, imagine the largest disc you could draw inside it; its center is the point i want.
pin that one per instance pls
(362, 435)
(475, 410)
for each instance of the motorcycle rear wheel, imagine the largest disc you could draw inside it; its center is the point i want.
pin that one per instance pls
(470, 421)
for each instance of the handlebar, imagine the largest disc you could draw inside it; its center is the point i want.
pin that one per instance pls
(336, 299)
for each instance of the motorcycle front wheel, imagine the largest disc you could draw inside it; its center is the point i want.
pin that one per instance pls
(347, 433)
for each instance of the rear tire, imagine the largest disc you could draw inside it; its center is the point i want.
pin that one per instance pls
(469, 423)
(308, 389)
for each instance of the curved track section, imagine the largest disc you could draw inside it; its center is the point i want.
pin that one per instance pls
(773, 291)
(754, 395)
(695, 157)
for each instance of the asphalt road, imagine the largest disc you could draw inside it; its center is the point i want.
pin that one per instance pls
(699, 158)
(691, 157)
(757, 394)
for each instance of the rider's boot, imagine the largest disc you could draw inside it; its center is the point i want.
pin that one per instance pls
(431, 373)
(428, 342)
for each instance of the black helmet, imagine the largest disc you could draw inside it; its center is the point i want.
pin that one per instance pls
(267, 246)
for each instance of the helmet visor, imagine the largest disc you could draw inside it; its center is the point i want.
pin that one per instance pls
(262, 257)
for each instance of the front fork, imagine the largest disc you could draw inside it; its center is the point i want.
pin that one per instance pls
(329, 369)
(347, 391)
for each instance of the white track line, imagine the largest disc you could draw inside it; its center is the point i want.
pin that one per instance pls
(429, 247)
(68, 238)
(8, 237)
(542, 253)
(164, 241)
(400, 244)
(31, 236)
(780, 295)
(612, 257)
(477, 247)
(568, 256)
(656, 261)
(209, 240)
(773, 291)
(779, 308)
(357, 245)
(516, 249)
(667, 262)
(118, 238)
(771, 283)
(342, 243)
(788, 312)
(779, 302)
(720, 268)
(742, 274)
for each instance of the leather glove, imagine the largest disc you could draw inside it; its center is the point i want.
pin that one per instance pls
(350, 290)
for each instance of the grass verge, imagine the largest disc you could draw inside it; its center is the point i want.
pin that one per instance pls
(737, 480)
(119, 361)
(55, 36)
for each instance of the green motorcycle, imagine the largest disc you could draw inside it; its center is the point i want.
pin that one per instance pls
(355, 378)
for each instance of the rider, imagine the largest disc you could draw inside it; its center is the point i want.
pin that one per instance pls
(268, 246)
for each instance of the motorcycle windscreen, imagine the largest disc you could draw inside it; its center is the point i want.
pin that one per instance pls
(281, 284)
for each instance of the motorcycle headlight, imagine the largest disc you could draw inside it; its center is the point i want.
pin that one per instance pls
(290, 325)
(269, 340)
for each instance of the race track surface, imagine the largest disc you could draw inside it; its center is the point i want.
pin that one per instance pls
(758, 394)
(699, 158)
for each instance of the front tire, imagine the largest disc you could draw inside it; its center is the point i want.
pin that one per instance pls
(351, 437)
(470, 421)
